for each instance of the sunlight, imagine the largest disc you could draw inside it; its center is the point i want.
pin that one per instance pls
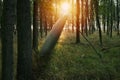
(65, 8)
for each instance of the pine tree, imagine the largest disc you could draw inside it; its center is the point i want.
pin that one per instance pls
(77, 22)
(96, 2)
(7, 27)
(35, 25)
(118, 29)
(24, 65)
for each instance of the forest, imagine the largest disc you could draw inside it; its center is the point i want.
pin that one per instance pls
(59, 39)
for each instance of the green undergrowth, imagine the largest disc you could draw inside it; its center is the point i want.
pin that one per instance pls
(71, 61)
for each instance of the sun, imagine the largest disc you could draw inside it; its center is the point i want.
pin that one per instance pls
(65, 8)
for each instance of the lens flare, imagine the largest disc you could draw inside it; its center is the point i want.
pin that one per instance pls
(65, 8)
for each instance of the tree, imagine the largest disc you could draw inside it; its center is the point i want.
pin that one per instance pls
(40, 17)
(45, 24)
(91, 18)
(7, 27)
(104, 11)
(72, 15)
(86, 17)
(108, 13)
(24, 65)
(111, 17)
(35, 24)
(0, 10)
(77, 21)
(118, 31)
(96, 2)
(82, 15)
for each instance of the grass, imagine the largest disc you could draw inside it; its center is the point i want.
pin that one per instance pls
(70, 61)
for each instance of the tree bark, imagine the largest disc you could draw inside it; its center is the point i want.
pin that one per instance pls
(82, 16)
(35, 25)
(24, 65)
(8, 21)
(97, 20)
(111, 18)
(41, 20)
(118, 29)
(108, 10)
(72, 15)
(0, 10)
(86, 18)
(77, 21)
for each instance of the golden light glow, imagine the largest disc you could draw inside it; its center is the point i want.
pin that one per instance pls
(65, 8)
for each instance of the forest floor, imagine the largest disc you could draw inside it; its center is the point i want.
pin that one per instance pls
(71, 61)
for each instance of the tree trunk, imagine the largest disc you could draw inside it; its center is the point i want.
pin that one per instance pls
(0, 15)
(8, 21)
(24, 65)
(77, 22)
(82, 15)
(104, 17)
(104, 21)
(111, 16)
(45, 25)
(108, 2)
(91, 20)
(35, 25)
(118, 29)
(86, 18)
(72, 15)
(0, 10)
(41, 21)
(97, 20)
(56, 10)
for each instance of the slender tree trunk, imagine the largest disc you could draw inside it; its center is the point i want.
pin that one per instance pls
(56, 10)
(91, 27)
(8, 21)
(0, 10)
(24, 65)
(72, 15)
(82, 15)
(111, 16)
(104, 21)
(45, 25)
(118, 29)
(51, 22)
(86, 18)
(104, 17)
(97, 20)
(41, 21)
(0, 15)
(77, 22)
(35, 25)
(108, 2)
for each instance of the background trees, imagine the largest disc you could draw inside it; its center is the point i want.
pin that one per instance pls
(91, 18)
